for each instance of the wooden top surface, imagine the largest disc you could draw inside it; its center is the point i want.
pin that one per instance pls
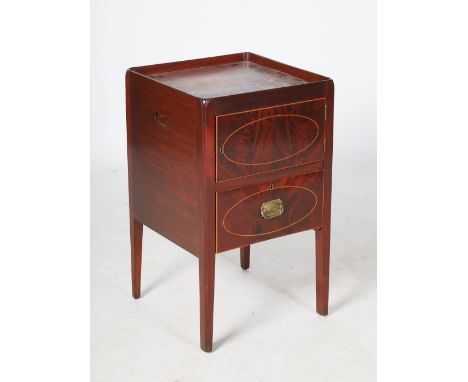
(226, 79)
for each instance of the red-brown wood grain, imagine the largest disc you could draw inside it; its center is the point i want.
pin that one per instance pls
(245, 257)
(206, 262)
(164, 154)
(173, 154)
(322, 235)
(238, 212)
(136, 238)
(196, 64)
(267, 139)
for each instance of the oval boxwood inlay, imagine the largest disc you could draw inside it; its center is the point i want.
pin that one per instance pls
(270, 139)
(244, 217)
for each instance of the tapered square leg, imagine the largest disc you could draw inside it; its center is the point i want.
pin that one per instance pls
(136, 239)
(207, 280)
(322, 268)
(245, 257)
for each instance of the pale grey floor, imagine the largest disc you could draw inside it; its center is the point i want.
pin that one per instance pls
(266, 328)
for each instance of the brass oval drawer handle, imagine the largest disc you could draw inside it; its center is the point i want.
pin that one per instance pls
(272, 209)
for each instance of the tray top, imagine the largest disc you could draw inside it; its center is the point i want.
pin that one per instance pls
(226, 79)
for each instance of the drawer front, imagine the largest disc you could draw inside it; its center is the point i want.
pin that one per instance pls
(268, 139)
(255, 213)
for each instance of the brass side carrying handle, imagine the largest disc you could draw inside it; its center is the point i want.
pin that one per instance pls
(158, 117)
(272, 209)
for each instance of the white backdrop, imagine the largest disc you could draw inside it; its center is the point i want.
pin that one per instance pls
(333, 38)
(156, 338)
(45, 152)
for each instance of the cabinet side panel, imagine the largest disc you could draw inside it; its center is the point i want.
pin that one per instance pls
(163, 154)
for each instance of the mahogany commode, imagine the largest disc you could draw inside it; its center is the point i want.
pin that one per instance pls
(224, 152)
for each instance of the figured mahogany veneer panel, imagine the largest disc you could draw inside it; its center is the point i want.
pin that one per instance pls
(239, 220)
(267, 139)
(228, 151)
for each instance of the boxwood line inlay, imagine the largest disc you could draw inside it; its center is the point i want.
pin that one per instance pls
(217, 148)
(315, 124)
(269, 107)
(276, 230)
(240, 152)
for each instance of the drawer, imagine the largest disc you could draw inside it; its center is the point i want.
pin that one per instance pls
(263, 140)
(255, 213)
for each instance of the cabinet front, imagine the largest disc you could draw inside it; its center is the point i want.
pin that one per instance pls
(259, 212)
(263, 140)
